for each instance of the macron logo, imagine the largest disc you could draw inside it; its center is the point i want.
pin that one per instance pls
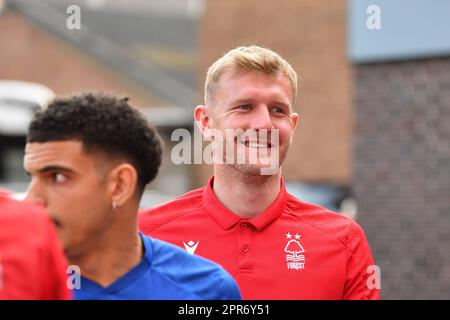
(191, 246)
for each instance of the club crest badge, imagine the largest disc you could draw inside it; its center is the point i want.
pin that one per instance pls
(295, 258)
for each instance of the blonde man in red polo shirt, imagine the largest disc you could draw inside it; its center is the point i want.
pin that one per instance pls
(276, 246)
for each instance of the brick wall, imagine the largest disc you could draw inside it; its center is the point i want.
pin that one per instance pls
(402, 173)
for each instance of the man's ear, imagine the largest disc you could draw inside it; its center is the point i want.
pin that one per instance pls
(202, 116)
(294, 119)
(122, 184)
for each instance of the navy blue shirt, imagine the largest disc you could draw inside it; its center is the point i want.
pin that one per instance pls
(166, 272)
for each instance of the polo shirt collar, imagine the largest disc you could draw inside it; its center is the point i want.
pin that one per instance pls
(226, 219)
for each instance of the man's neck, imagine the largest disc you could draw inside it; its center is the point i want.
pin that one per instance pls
(245, 195)
(114, 253)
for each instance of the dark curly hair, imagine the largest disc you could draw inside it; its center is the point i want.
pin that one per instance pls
(103, 123)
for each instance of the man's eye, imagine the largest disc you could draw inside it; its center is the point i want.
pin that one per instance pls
(59, 178)
(278, 110)
(244, 107)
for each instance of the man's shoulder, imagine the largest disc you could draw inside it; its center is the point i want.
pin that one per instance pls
(21, 215)
(27, 234)
(152, 218)
(329, 223)
(204, 278)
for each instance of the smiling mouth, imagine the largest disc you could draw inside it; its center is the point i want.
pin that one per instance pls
(254, 144)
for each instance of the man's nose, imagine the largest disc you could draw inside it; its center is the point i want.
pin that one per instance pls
(35, 194)
(261, 119)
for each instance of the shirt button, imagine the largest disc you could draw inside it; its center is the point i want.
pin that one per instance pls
(245, 249)
(244, 225)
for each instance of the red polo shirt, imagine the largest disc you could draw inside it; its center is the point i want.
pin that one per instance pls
(32, 263)
(292, 250)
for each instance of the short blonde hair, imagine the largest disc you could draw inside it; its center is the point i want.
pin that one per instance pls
(245, 59)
